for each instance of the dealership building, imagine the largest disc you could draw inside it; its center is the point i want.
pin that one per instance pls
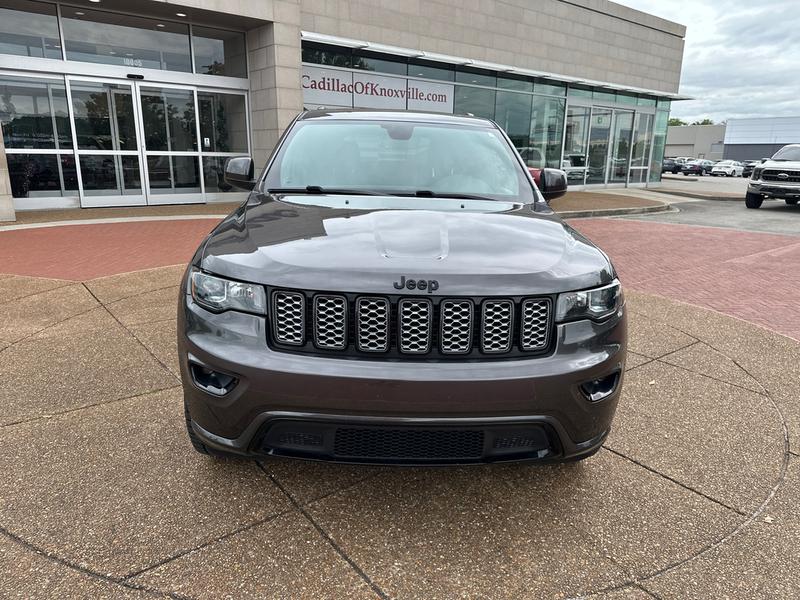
(126, 103)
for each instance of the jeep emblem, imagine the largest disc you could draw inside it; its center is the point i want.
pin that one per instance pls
(416, 284)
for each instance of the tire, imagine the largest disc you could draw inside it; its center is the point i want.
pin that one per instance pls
(753, 200)
(792, 201)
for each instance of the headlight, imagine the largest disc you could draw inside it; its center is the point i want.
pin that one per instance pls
(757, 173)
(598, 303)
(217, 294)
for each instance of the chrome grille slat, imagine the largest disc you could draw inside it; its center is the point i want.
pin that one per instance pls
(330, 322)
(372, 324)
(456, 318)
(535, 324)
(289, 316)
(497, 326)
(415, 318)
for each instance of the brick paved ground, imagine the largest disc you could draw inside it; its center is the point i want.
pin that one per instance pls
(752, 276)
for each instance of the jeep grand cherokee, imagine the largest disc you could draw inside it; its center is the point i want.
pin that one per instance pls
(396, 289)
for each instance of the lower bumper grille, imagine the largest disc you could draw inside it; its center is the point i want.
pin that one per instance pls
(388, 444)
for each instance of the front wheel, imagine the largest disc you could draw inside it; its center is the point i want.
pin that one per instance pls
(792, 201)
(753, 200)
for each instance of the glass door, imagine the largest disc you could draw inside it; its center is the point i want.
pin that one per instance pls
(599, 141)
(620, 147)
(106, 143)
(170, 132)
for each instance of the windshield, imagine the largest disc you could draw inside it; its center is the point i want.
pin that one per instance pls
(788, 153)
(400, 157)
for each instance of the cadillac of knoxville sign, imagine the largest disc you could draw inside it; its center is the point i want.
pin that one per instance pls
(333, 87)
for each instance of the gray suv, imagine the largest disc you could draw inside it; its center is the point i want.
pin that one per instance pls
(396, 289)
(776, 178)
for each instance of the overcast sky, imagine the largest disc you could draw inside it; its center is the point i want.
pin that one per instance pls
(742, 57)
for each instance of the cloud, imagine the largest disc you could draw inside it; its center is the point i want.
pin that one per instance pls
(740, 58)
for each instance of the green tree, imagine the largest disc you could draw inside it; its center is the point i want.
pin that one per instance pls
(674, 121)
(704, 122)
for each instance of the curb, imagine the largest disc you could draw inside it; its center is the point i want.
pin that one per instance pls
(700, 196)
(614, 212)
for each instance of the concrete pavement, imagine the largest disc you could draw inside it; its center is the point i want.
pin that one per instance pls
(695, 494)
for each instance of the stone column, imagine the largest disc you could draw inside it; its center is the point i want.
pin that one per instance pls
(6, 201)
(274, 70)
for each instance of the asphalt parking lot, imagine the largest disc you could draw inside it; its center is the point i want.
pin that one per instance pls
(693, 496)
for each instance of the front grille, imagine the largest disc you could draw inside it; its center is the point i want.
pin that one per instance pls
(414, 328)
(399, 444)
(775, 175)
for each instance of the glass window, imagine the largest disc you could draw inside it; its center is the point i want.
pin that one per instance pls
(103, 116)
(474, 101)
(219, 52)
(369, 61)
(576, 139)
(214, 175)
(115, 39)
(169, 120)
(659, 140)
(223, 122)
(29, 29)
(513, 114)
(320, 54)
(400, 158)
(629, 99)
(663, 104)
(579, 92)
(173, 174)
(42, 175)
(646, 101)
(604, 97)
(515, 83)
(431, 70)
(641, 139)
(110, 175)
(546, 131)
(549, 88)
(34, 113)
(475, 76)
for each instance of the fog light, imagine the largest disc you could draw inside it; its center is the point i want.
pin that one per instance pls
(210, 381)
(600, 389)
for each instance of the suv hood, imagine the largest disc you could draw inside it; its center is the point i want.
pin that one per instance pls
(366, 243)
(793, 165)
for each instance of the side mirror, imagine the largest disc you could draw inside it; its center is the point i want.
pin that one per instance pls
(239, 172)
(552, 184)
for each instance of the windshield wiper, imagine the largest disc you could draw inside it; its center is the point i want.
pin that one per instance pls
(432, 194)
(318, 189)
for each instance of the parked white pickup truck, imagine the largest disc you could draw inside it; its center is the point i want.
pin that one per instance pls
(776, 178)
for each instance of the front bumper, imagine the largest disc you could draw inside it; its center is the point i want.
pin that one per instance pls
(322, 408)
(774, 189)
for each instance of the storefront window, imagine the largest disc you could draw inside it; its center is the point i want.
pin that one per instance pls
(320, 54)
(513, 114)
(475, 77)
(428, 70)
(29, 29)
(516, 83)
(169, 120)
(42, 175)
(659, 139)
(369, 61)
(580, 92)
(114, 39)
(646, 101)
(223, 122)
(576, 143)
(604, 97)
(550, 88)
(641, 139)
(547, 124)
(34, 114)
(219, 52)
(474, 101)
